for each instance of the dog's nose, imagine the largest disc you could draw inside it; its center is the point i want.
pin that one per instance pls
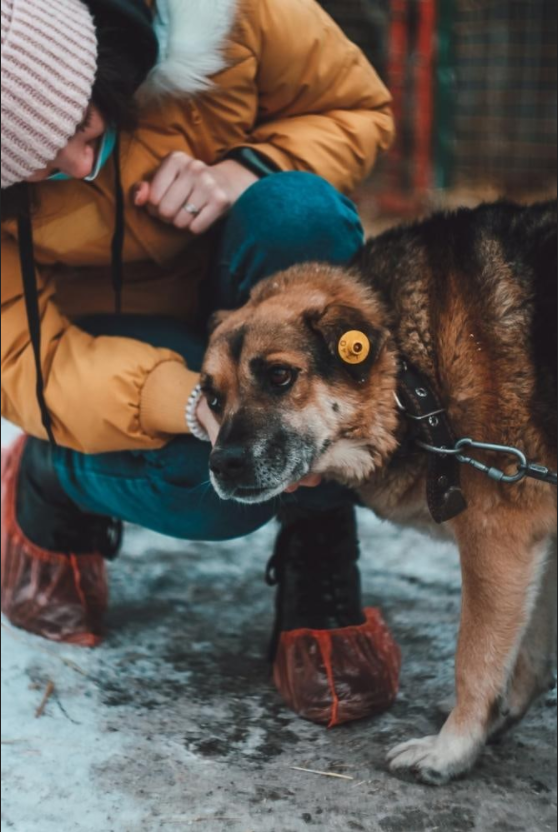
(229, 463)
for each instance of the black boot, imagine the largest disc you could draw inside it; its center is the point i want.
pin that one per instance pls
(53, 554)
(47, 516)
(315, 569)
(334, 662)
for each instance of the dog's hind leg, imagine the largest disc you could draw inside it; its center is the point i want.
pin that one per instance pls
(535, 670)
(502, 564)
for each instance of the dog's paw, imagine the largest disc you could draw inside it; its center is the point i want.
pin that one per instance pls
(435, 761)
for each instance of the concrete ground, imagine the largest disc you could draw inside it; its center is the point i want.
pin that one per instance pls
(174, 724)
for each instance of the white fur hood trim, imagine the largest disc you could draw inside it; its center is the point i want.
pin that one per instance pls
(192, 38)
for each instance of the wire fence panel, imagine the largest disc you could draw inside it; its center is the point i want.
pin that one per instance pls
(474, 85)
(367, 23)
(505, 129)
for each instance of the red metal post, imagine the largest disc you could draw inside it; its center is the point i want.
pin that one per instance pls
(423, 167)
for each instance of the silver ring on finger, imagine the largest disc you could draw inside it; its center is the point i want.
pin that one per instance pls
(192, 209)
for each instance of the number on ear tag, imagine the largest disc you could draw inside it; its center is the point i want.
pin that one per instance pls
(354, 347)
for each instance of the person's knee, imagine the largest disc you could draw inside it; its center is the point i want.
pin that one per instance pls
(215, 522)
(299, 217)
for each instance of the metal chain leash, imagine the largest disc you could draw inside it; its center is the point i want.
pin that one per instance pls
(525, 469)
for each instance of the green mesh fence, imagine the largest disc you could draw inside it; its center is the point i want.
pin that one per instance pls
(504, 130)
(367, 23)
(494, 83)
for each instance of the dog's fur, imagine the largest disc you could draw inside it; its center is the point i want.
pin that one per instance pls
(470, 299)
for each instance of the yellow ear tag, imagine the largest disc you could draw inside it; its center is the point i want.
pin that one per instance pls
(354, 347)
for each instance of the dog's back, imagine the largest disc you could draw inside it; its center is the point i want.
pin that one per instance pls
(531, 241)
(478, 289)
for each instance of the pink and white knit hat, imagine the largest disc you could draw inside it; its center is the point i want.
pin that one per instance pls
(49, 63)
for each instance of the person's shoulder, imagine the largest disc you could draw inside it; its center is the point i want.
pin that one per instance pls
(259, 21)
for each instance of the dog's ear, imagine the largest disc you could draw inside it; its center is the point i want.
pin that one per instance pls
(353, 343)
(217, 319)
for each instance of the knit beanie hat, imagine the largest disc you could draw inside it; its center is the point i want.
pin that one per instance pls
(49, 63)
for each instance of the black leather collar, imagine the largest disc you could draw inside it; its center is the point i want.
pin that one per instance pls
(430, 424)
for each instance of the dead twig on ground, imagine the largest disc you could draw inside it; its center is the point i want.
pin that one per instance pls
(50, 688)
(323, 773)
(192, 821)
(64, 711)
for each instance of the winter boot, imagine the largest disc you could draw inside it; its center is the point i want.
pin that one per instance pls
(332, 662)
(53, 555)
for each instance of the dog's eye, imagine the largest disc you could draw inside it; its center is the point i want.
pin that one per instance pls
(282, 377)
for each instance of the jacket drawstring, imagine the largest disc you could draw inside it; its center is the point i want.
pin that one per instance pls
(29, 278)
(119, 230)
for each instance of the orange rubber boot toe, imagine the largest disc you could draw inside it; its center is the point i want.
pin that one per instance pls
(332, 677)
(61, 597)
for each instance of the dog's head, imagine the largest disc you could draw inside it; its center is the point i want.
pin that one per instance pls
(302, 380)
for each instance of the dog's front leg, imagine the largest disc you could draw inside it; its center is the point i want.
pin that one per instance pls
(502, 564)
(535, 668)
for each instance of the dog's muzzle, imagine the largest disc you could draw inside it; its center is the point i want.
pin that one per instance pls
(257, 472)
(236, 475)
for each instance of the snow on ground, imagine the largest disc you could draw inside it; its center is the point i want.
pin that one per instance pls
(174, 724)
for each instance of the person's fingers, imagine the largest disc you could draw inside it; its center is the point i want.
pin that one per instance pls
(217, 208)
(180, 184)
(173, 166)
(311, 481)
(141, 194)
(208, 420)
(200, 198)
(176, 197)
(185, 220)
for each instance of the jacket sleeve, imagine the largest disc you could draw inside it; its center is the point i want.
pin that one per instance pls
(93, 386)
(322, 107)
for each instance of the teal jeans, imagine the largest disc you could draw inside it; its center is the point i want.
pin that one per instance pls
(280, 221)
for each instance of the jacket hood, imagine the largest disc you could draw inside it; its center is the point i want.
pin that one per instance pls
(192, 37)
(128, 26)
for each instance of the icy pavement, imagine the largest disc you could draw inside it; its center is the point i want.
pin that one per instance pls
(173, 723)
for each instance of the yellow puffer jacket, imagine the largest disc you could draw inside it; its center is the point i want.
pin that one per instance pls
(285, 80)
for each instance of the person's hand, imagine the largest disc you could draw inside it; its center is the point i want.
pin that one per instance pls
(209, 423)
(311, 481)
(191, 195)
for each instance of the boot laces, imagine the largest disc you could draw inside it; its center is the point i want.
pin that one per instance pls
(108, 538)
(319, 565)
(93, 535)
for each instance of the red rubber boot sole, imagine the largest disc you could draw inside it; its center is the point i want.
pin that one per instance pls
(332, 677)
(60, 597)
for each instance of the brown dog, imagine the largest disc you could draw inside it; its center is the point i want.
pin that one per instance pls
(469, 300)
